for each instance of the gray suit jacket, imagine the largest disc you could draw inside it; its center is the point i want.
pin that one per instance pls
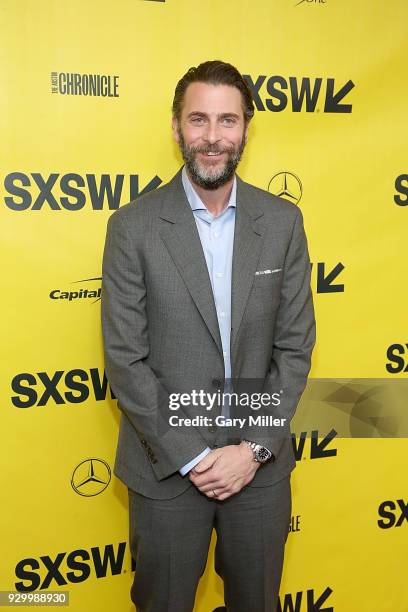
(161, 331)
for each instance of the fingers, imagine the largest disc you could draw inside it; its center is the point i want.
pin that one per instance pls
(222, 488)
(223, 493)
(206, 463)
(212, 487)
(207, 483)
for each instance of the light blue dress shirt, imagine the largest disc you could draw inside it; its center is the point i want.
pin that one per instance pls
(217, 239)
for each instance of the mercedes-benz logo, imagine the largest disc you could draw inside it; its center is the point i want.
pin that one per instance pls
(91, 477)
(286, 185)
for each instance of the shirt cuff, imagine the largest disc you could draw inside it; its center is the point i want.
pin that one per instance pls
(189, 466)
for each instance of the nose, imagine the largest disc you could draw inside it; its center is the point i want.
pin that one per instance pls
(212, 133)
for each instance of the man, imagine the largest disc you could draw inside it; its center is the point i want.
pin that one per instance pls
(206, 288)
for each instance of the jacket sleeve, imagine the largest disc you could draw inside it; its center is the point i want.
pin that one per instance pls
(141, 396)
(294, 339)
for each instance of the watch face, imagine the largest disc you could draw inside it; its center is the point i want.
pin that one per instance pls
(263, 454)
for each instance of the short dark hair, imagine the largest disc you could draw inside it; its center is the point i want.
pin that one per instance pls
(214, 72)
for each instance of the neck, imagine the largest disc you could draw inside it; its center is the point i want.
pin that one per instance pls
(215, 200)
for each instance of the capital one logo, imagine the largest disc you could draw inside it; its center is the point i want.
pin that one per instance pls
(81, 293)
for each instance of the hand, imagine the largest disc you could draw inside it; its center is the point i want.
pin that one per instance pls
(225, 470)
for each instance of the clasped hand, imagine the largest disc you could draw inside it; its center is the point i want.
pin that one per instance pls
(225, 470)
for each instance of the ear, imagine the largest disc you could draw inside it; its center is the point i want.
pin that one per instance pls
(174, 126)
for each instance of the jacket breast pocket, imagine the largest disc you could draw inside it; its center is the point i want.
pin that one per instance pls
(268, 281)
(265, 295)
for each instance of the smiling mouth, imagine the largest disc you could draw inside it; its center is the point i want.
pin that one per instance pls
(213, 154)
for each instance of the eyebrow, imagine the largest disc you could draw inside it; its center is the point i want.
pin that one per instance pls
(220, 116)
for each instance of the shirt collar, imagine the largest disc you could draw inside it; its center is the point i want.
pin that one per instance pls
(193, 198)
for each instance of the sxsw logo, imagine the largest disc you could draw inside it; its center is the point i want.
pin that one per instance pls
(276, 93)
(317, 449)
(71, 387)
(72, 191)
(302, 601)
(393, 514)
(398, 358)
(401, 186)
(309, 601)
(46, 571)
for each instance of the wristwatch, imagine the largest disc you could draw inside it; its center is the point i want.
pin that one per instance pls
(261, 453)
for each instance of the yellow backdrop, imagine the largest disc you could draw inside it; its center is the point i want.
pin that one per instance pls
(86, 92)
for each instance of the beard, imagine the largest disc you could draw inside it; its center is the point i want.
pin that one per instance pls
(210, 178)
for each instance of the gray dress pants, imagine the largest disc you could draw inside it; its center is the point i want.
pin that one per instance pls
(169, 541)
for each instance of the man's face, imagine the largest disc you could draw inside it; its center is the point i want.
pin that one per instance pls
(211, 133)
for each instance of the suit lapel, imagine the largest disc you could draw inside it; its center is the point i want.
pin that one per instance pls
(181, 238)
(246, 253)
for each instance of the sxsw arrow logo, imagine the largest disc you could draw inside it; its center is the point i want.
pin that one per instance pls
(332, 100)
(318, 449)
(299, 94)
(325, 281)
